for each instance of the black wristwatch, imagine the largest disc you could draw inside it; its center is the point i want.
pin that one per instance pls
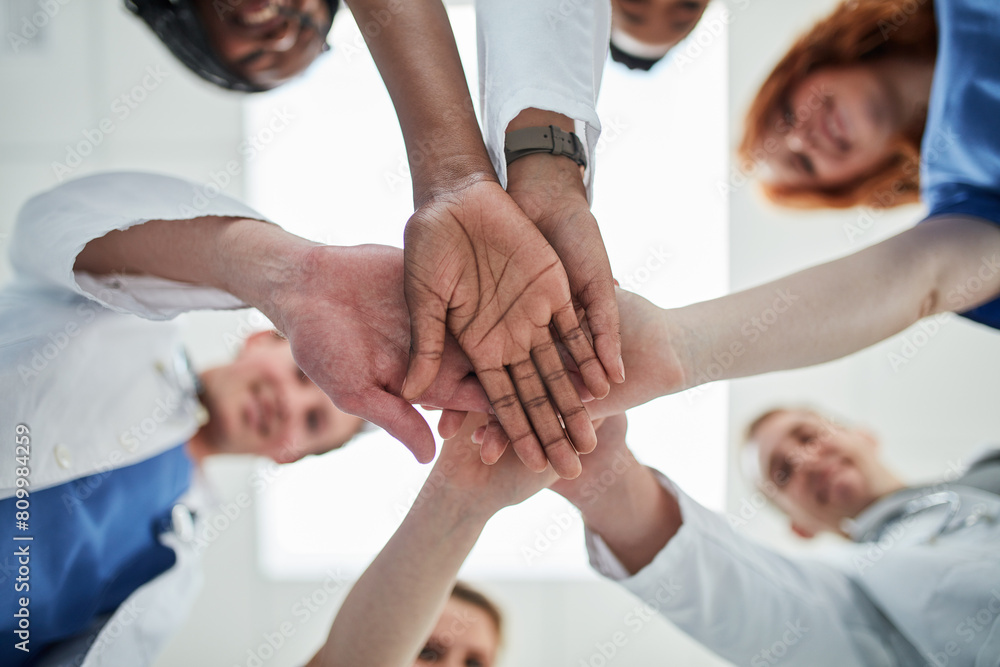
(545, 139)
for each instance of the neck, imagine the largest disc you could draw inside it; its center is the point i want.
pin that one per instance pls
(199, 447)
(884, 484)
(201, 444)
(909, 82)
(888, 485)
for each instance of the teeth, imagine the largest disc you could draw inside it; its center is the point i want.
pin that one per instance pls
(262, 15)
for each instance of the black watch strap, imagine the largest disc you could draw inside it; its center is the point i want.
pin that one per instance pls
(545, 139)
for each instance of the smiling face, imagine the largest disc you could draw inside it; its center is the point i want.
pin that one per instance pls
(464, 636)
(823, 472)
(267, 42)
(263, 404)
(834, 127)
(657, 22)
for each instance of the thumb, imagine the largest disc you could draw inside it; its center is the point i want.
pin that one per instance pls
(401, 421)
(601, 307)
(427, 334)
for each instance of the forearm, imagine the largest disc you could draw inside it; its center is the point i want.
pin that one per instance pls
(810, 317)
(634, 515)
(417, 57)
(251, 259)
(393, 607)
(536, 181)
(832, 310)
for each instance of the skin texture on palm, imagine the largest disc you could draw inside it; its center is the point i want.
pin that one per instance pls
(478, 267)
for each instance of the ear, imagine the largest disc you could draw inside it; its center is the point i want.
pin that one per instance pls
(803, 532)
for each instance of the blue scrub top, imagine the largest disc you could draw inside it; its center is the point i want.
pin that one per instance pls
(95, 542)
(960, 152)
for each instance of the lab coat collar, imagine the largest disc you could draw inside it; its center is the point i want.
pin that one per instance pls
(880, 512)
(890, 506)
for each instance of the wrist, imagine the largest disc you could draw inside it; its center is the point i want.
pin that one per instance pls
(542, 184)
(675, 351)
(454, 511)
(448, 175)
(556, 176)
(537, 117)
(600, 501)
(262, 264)
(636, 525)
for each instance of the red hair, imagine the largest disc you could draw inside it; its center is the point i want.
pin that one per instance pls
(857, 31)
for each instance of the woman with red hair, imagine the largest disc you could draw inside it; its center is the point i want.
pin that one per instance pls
(882, 103)
(839, 121)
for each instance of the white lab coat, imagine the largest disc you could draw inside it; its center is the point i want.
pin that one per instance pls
(96, 380)
(903, 600)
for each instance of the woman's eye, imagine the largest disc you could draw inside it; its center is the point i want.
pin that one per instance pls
(429, 654)
(473, 662)
(783, 474)
(787, 113)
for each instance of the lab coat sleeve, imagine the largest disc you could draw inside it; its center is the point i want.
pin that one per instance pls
(749, 604)
(53, 227)
(541, 54)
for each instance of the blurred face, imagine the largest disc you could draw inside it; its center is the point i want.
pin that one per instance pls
(837, 125)
(267, 42)
(657, 22)
(464, 636)
(824, 473)
(263, 404)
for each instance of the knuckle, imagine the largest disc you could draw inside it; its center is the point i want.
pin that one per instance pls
(556, 377)
(536, 403)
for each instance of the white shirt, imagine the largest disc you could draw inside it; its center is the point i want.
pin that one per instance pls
(541, 54)
(917, 594)
(95, 379)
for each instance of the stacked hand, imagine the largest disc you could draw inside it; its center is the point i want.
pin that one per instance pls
(478, 268)
(550, 191)
(346, 319)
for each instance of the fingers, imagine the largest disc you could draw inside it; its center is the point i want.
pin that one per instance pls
(507, 408)
(567, 401)
(399, 419)
(578, 345)
(427, 334)
(535, 399)
(450, 423)
(493, 441)
(601, 306)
